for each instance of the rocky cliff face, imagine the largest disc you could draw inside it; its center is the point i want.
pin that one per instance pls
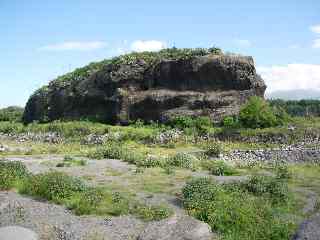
(210, 84)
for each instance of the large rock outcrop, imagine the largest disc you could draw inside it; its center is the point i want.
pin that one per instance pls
(212, 85)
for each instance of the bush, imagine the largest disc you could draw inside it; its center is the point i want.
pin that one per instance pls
(230, 122)
(282, 171)
(219, 168)
(213, 149)
(234, 213)
(53, 186)
(86, 202)
(151, 213)
(11, 173)
(150, 161)
(11, 114)
(69, 161)
(271, 187)
(257, 114)
(182, 160)
(191, 124)
(197, 195)
(114, 150)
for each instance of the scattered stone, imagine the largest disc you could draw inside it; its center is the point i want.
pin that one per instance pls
(169, 136)
(287, 154)
(3, 148)
(48, 137)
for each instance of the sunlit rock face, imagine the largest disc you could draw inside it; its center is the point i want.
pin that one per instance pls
(210, 85)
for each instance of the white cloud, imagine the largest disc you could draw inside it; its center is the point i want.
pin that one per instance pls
(315, 28)
(242, 42)
(78, 46)
(152, 45)
(316, 43)
(291, 77)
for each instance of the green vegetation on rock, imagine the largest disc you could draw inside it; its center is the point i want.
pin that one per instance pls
(74, 193)
(149, 58)
(239, 211)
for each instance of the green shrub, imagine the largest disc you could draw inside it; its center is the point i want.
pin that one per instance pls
(218, 168)
(198, 194)
(230, 122)
(272, 187)
(86, 202)
(281, 115)
(191, 124)
(149, 161)
(69, 161)
(114, 150)
(213, 149)
(11, 114)
(11, 127)
(283, 171)
(234, 213)
(151, 213)
(168, 169)
(53, 186)
(257, 114)
(182, 160)
(10, 173)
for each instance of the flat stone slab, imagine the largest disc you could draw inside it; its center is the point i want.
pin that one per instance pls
(177, 228)
(17, 233)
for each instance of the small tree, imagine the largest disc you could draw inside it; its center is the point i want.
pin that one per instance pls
(257, 113)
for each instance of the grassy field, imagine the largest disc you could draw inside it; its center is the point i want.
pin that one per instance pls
(266, 202)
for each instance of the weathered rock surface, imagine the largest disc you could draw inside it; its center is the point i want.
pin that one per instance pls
(50, 221)
(309, 230)
(17, 233)
(210, 85)
(177, 228)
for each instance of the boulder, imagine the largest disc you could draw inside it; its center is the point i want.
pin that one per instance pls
(178, 228)
(213, 85)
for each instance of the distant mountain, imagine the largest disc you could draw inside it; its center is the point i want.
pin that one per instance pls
(297, 94)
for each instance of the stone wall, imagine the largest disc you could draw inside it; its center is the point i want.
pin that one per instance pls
(289, 154)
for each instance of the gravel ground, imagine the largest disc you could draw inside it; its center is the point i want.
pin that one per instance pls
(50, 221)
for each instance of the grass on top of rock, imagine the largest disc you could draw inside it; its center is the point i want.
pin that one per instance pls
(149, 58)
(74, 193)
(251, 210)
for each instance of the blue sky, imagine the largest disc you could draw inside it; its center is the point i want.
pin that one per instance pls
(40, 40)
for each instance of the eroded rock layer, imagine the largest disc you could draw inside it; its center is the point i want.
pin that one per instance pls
(213, 85)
